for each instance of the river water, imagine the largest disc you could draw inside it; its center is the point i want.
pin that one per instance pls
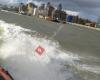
(18, 55)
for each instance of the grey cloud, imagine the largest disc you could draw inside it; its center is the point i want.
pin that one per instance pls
(88, 3)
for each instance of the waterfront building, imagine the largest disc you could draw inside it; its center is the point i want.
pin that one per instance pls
(49, 11)
(20, 10)
(30, 9)
(41, 11)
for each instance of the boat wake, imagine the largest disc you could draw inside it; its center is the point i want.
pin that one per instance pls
(20, 58)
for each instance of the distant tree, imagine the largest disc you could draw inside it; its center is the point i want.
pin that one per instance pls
(81, 21)
(75, 19)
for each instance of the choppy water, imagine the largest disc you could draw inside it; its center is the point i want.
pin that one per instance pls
(18, 56)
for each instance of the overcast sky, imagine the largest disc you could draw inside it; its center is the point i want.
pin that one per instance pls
(86, 8)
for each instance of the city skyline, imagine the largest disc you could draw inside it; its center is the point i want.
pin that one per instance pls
(86, 8)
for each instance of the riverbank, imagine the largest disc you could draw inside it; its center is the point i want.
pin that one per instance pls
(79, 25)
(74, 24)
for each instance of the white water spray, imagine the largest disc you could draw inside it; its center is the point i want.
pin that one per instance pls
(22, 61)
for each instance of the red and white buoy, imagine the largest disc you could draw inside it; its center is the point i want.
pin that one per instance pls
(39, 50)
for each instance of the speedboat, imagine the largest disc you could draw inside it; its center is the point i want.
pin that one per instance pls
(4, 75)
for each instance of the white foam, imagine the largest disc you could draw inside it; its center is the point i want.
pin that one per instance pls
(23, 63)
(91, 68)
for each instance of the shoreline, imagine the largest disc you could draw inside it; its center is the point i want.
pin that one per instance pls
(74, 24)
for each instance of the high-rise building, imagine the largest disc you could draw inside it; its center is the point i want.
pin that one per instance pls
(21, 8)
(59, 7)
(30, 9)
(49, 11)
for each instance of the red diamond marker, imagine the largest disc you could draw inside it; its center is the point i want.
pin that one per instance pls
(39, 50)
